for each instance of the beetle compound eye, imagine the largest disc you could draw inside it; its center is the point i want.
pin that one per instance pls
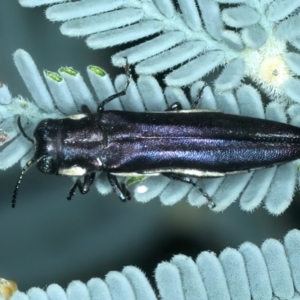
(46, 165)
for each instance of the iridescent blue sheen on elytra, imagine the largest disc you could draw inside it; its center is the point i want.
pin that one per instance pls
(127, 142)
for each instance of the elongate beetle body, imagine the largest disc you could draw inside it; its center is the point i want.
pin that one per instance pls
(175, 143)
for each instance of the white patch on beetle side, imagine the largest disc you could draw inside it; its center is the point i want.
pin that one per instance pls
(196, 110)
(133, 174)
(196, 173)
(99, 162)
(73, 171)
(187, 172)
(186, 111)
(77, 117)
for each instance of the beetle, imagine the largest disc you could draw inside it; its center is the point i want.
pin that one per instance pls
(175, 143)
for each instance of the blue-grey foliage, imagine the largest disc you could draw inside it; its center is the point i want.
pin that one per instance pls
(245, 39)
(249, 272)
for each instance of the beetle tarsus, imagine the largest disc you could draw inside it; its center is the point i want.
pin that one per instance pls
(82, 187)
(174, 176)
(120, 190)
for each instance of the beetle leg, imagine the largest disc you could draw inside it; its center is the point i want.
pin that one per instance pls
(195, 103)
(112, 97)
(83, 187)
(174, 107)
(122, 93)
(181, 178)
(121, 191)
(177, 105)
(23, 131)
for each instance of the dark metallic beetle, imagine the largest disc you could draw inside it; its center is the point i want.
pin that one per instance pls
(175, 143)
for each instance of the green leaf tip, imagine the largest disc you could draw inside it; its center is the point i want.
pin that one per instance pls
(135, 179)
(68, 70)
(53, 75)
(97, 70)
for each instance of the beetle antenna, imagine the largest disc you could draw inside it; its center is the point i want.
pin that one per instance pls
(23, 131)
(25, 168)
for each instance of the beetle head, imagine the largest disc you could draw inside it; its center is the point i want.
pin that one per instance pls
(45, 137)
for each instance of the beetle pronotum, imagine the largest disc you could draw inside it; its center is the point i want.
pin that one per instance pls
(175, 143)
